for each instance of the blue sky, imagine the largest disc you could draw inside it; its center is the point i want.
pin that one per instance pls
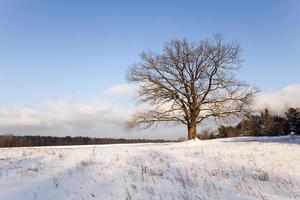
(61, 48)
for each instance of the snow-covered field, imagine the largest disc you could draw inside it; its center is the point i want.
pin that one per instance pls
(238, 168)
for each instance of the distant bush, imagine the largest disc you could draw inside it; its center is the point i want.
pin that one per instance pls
(228, 131)
(207, 134)
(181, 139)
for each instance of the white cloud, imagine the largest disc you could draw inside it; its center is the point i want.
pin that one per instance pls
(120, 90)
(96, 118)
(64, 117)
(11, 116)
(279, 100)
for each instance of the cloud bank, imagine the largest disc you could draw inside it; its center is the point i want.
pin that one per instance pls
(64, 117)
(101, 118)
(279, 100)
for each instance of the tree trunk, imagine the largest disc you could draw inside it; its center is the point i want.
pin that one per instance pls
(192, 131)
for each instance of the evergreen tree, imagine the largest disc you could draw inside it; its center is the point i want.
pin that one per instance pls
(251, 126)
(293, 120)
(279, 126)
(267, 122)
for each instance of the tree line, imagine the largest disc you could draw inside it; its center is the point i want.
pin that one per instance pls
(263, 124)
(29, 141)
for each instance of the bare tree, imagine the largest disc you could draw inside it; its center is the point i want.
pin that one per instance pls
(190, 82)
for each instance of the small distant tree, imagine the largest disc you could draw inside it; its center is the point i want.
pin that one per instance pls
(267, 122)
(293, 120)
(207, 134)
(251, 126)
(227, 131)
(279, 126)
(222, 132)
(190, 82)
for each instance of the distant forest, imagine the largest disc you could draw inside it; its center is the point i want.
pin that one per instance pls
(30, 141)
(263, 124)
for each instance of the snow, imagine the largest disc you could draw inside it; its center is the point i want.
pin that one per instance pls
(234, 168)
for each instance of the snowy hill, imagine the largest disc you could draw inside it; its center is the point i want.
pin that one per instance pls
(238, 168)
